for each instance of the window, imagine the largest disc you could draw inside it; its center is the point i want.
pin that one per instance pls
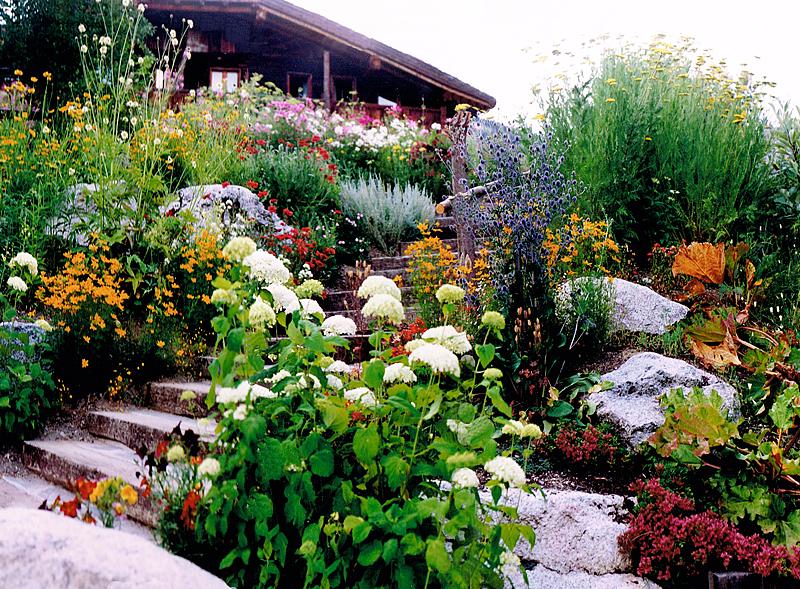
(344, 88)
(298, 84)
(224, 80)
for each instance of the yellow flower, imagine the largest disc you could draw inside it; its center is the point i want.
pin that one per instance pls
(129, 494)
(160, 343)
(17, 72)
(611, 99)
(648, 138)
(84, 363)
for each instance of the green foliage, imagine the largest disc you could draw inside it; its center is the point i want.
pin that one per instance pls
(298, 180)
(668, 149)
(327, 487)
(389, 214)
(587, 313)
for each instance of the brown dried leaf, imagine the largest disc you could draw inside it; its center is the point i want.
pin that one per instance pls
(704, 261)
(718, 357)
(694, 287)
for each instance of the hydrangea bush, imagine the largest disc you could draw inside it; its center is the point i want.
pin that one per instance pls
(353, 475)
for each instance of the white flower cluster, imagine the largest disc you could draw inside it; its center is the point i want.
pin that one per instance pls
(309, 288)
(375, 285)
(465, 478)
(261, 314)
(449, 337)
(339, 325)
(449, 293)
(506, 470)
(436, 357)
(239, 248)
(361, 395)
(522, 430)
(25, 260)
(239, 394)
(311, 307)
(283, 298)
(399, 373)
(339, 367)
(209, 467)
(16, 283)
(266, 268)
(384, 307)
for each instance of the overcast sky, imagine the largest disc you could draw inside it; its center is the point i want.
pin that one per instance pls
(484, 42)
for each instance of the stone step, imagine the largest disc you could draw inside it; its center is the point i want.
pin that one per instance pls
(166, 397)
(393, 273)
(450, 242)
(136, 427)
(389, 262)
(63, 461)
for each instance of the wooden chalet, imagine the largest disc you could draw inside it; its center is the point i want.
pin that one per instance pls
(307, 55)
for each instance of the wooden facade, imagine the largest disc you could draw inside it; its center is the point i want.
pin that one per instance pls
(307, 55)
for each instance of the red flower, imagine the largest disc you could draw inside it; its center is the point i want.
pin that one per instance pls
(161, 449)
(252, 185)
(84, 487)
(189, 511)
(263, 194)
(226, 184)
(70, 508)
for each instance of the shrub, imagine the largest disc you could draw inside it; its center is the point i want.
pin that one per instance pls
(389, 214)
(301, 181)
(667, 148)
(335, 472)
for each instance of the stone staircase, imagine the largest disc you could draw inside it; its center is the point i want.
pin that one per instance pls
(107, 445)
(344, 302)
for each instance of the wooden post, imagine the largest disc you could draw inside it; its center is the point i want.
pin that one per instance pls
(457, 131)
(326, 80)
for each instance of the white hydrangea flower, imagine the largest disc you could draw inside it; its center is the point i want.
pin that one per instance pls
(465, 478)
(494, 320)
(309, 288)
(266, 268)
(223, 296)
(303, 383)
(226, 395)
(338, 325)
(384, 306)
(176, 454)
(493, 374)
(460, 429)
(506, 470)
(375, 285)
(43, 325)
(512, 428)
(239, 248)
(399, 373)
(413, 345)
(311, 307)
(361, 395)
(240, 412)
(283, 298)
(337, 366)
(209, 467)
(279, 376)
(334, 382)
(509, 562)
(16, 283)
(258, 391)
(438, 358)
(449, 337)
(450, 293)
(25, 260)
(261, 314)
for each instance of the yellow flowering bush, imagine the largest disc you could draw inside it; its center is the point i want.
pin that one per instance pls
(580, 246)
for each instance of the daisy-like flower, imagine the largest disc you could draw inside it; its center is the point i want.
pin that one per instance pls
(338, 325)
(464, 478)
(361, 395)
(261, 314)
(438, 358)
(384, 306)
(16, 283)
(25, 260)
(311, 307)
(338, 367)
(399, 373)
(266, 268)
(209, 467)
(283, 298)
(494, 320)
(450, 293)
(449, 337)
(239, 248)
(375, 285)
(310, 288)
(506, 470)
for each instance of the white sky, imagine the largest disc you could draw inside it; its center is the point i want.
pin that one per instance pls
(482, 42)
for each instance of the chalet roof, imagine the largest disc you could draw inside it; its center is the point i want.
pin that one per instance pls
(336, 32)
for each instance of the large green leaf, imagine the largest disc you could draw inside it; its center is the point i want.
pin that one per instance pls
(366, 444)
